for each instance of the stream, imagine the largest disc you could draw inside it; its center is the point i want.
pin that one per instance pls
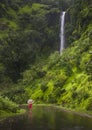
(47, 118)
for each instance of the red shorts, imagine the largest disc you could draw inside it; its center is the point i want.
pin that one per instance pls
(30, 106)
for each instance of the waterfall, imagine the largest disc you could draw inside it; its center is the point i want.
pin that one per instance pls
(62, 40)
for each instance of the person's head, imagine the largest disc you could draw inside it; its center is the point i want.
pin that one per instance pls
(30, 101)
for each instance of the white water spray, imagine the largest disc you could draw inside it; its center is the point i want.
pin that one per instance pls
(62, 39)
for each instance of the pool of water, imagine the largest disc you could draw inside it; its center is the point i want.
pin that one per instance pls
(47, 118)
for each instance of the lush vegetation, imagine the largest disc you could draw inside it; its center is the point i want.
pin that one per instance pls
(8, 108)
(30, 63)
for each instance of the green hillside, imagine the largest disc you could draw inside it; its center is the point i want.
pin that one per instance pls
(30, 63)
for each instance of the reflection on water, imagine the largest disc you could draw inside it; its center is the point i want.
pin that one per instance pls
(47, 118)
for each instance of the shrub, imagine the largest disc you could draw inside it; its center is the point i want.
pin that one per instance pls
(7, 105)
(89, 104)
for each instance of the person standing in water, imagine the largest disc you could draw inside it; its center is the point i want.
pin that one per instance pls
(30, 103)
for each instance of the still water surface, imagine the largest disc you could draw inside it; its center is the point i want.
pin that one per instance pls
(47, 118)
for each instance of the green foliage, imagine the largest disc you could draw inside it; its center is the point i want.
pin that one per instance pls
(78, 18)
(25, 35)
(44, 86)
(7, 105)
(53, 59)
(15, 53)
(89, 104)
(63, 79)
(29, 37)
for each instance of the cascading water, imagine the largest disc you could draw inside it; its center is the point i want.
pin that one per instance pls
(62, 39)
